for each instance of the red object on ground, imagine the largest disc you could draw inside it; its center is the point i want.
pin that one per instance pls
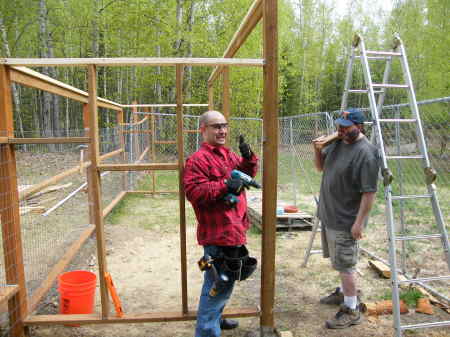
(114, 296)
(77, 292)
(290, 209)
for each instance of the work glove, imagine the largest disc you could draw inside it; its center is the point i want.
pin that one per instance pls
(235, 185)
(246, 152)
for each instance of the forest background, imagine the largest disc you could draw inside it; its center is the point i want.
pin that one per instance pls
(314, 45)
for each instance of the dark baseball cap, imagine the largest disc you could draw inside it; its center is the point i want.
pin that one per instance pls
(350, 116)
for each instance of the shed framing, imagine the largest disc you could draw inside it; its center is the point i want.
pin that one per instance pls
(12, 70)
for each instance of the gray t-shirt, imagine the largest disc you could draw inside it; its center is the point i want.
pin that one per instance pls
(349, 170)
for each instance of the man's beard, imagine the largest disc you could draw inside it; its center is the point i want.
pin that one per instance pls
(351, 136)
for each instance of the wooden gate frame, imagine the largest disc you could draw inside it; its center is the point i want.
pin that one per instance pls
(12, 70)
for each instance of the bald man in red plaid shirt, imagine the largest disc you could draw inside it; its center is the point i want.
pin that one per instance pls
(207, 181)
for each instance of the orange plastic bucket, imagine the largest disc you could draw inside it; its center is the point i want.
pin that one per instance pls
(77, 292)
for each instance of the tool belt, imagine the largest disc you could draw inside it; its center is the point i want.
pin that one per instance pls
(235, 263)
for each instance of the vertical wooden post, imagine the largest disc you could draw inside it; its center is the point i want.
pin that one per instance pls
(226, 98)
(120, 121)
(153, 149)
(9, 211)
(180, 147)
(96, 187)
(134, 135)
(270, 153)
(86, 124)
(210, 96)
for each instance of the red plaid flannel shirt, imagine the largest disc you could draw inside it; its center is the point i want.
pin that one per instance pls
(204, 174)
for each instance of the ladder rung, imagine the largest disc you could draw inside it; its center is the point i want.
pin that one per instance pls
(363, 91)
(399, 197)
(387, 85)
(405, 157)
(383, 53)
(424, 325)
(425, 279)
(317, 251)
(400, 120)
(418, 237)
(381, 58)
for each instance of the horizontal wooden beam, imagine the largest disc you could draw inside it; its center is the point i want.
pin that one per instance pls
(137, 123)
(111, 154)
(151, 192)
(130, 61)
(4, 140)
(34, 79)
(8, 291)
(165, 142)
(139, 167)
(132, 318)
(249, 22)
(161, 105)
(54, 140)
(191, 131)
(113, 203)
(137, 131)
(71, 252)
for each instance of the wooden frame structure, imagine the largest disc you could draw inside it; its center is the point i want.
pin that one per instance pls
(12, 70)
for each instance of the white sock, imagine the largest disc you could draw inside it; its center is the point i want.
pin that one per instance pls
(350, 301)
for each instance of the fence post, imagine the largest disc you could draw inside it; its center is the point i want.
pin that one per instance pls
(9, 211)
(291, 141)
(96, 187)
(86, 123)
(270, 170)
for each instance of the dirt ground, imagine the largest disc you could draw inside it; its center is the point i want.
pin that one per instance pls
(143, 259)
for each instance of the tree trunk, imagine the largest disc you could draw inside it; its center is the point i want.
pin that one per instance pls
(15, 92)
(46, 103)
(190, 23)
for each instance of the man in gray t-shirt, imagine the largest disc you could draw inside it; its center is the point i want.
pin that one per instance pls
(349, 183)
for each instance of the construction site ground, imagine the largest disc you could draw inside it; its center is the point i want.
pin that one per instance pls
(143, 257)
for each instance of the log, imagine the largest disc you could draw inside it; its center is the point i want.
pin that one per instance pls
(383, 270)
(384, 308)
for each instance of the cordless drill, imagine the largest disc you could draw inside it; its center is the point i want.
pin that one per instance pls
(248, 181)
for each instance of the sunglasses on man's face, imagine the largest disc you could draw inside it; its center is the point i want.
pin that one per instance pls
(219, 126)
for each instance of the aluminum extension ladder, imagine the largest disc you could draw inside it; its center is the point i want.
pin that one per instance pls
(398, 51)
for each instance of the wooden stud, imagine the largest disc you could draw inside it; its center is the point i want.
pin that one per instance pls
(6, 292)
(9, 211)
(54, 140)
(249, 22)
(270, 153)
(96, 187)
(113, 203)
(226, 98)
(133, 318)
(162, 105)
(34, 79)
(153, 153)
(120, 120)
(139, 167)
(131, 61)
(86, 125)
(210, 97)
(180, 143)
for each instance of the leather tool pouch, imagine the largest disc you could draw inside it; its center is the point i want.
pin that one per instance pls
(236, 264)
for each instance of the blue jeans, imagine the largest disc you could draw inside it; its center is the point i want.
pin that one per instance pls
(210, 308)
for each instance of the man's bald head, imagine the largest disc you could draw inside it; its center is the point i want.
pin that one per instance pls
(214, 128)
(211, 115)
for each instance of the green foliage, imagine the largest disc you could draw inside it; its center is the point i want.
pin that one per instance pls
(313, 50)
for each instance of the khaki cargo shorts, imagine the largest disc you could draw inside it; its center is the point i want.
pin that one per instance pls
(341, 248)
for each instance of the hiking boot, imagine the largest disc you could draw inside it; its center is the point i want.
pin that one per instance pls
(337, 297)
(228, 324)
(344, 318)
